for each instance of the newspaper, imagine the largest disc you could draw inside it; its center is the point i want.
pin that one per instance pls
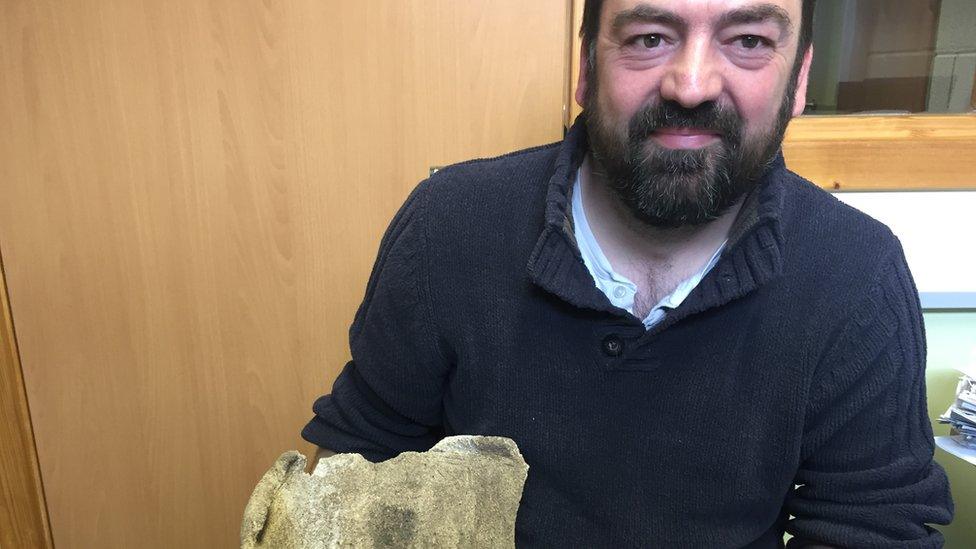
(961, 415)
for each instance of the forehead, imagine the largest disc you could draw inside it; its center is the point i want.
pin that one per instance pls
(701, 11)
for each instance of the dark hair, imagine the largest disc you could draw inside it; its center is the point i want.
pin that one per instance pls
(591, 28)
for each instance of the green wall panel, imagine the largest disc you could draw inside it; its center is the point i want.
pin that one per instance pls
(951, 338)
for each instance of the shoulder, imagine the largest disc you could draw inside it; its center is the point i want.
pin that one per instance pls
(490, 201)
(813, 208)
(832, 249)
(815, 220)
(509, 177)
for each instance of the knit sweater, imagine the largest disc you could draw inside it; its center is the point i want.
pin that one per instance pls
(790, 382)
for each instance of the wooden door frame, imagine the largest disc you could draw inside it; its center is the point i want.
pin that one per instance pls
(23, 508)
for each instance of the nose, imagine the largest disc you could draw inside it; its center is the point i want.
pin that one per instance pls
(693, 76)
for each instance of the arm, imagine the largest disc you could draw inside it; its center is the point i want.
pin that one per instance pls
(388, 398)
(866, 477)
(319, 453)
(323, 453)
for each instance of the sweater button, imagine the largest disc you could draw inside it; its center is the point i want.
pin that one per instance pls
(613, 345)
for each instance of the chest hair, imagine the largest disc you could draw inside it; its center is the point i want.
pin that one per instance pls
(653, 285)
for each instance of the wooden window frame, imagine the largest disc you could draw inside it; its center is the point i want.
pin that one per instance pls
(904, 152)
(856, 153)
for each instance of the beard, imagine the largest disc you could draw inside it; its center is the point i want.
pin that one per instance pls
(670, 188)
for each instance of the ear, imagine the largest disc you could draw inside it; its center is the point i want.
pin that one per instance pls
(800, 99)
(584, 74)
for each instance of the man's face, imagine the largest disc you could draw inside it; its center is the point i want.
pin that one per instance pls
(689, 100)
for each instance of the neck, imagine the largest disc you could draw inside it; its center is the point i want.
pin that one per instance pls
(629, 242)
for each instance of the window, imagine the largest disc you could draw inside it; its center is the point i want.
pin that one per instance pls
(893, 56)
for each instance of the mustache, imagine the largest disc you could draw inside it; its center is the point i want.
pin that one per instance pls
(709, 116)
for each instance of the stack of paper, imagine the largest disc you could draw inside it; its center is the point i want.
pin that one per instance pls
(962, 414)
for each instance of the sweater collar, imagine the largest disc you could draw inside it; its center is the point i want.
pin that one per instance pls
(752, 257)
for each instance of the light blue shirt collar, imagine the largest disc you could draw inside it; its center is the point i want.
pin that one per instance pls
(618, 289)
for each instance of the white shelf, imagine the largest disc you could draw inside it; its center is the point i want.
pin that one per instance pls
(950, 445)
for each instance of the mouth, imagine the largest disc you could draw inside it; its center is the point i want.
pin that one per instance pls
(685, 138)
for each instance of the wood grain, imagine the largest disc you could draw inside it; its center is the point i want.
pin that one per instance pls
(884, 152)
(972, 102)
(193, 194)
(23, 516)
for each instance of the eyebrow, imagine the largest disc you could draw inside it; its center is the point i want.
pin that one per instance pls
(642, 13)
(759, 13)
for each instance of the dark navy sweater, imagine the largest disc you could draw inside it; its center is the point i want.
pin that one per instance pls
(789, 383)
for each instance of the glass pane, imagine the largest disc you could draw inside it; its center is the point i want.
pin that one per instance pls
(893, 56)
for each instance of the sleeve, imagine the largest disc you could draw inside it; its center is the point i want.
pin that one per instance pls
(387, 400)
(867, 477)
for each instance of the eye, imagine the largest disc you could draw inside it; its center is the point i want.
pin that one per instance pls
(751, 41)
(650, 40)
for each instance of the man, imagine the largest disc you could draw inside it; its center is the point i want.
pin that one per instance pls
(689, 343)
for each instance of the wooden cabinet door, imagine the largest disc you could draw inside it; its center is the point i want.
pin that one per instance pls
(191, 198)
